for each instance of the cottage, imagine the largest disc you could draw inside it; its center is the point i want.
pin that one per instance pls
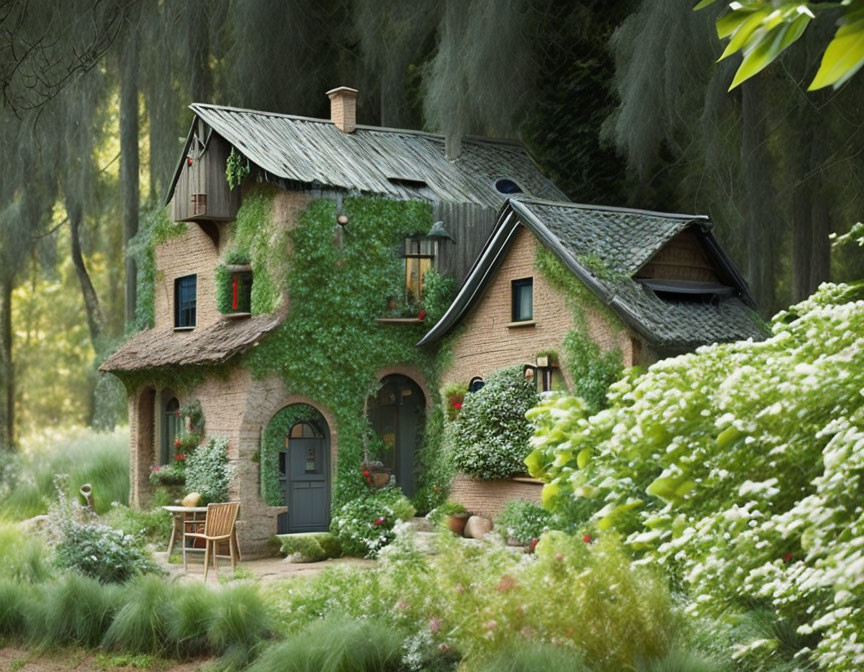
(301, 269)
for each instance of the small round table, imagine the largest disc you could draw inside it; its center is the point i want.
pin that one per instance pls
(181, 515)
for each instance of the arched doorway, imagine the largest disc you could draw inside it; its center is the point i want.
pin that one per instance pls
(297, 450)
(398, 416)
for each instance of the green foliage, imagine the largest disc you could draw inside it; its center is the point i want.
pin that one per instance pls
(309, 547)
(23, 556)
(522, 522)
(490, 436)
(101, 459)
(591, 369)
(330, 345)
(208, 471)
(334, 645)
(478, 600)
(365, 524)
(236, 169)
(736, 466)
(101, 552)
(168, 474)
(438, 293)
(274, 442)
(534, 658)
(154, 525)
(454, 397)
(258, 239)
(762, 31)
(141, 625)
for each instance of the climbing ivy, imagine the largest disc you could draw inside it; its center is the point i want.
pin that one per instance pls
(223, 278)
(274, 441)
(331, 345)
(591, 369)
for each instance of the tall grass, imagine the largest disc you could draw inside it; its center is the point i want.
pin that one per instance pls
(527, 657)
(335, 646)
(86, 456)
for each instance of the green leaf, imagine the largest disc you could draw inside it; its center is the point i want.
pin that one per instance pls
(766, 50)
(843, 57)
(583, 458)
(742, 35)
(549, 493)
(703, 4)
(731, 21)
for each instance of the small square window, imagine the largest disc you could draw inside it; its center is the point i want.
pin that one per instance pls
(185, 301)
(523, 300)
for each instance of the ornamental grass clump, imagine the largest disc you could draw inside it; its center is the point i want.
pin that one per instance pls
(489, 438)
(739, 468)
(336, 645)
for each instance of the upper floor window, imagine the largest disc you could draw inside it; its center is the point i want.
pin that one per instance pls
(419, 252)
(523, 300)
(185, 301)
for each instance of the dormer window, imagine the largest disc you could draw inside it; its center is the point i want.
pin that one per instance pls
(185, 302)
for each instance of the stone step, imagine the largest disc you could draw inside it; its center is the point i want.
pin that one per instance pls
(420, 524)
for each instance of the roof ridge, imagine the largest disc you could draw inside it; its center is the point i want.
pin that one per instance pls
(610, 208)
(365, 127)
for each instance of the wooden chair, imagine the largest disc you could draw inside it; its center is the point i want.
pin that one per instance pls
(219, 526)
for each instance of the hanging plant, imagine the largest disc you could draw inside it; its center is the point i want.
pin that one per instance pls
(236, 169)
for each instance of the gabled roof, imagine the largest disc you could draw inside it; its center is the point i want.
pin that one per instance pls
(214, 344)
(383, 161)
(605, 247)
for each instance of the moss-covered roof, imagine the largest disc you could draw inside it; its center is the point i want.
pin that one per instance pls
(605, 247)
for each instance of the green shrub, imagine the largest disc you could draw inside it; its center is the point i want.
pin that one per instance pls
(335, 646)
(141, 625)
(168, 474)
(439, 290)
(535, 657)
(311, 547)
(208, 471)
(73, 611)
(364, 525)
(739, 467)
(490, 437)
(153, 526)
(522, 522)
(591, 369)
(101, 552)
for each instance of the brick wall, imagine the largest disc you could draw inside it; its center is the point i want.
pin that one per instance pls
(488, 343)
(488, 498)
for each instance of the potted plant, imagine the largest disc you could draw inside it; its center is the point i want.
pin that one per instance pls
(375, 474)
(457, 517)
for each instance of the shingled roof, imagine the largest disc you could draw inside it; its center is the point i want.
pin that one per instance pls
(214, 344)
(388, 162)
(605, 247)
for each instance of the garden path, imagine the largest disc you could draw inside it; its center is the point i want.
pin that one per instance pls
(264, 569)
(18, 660)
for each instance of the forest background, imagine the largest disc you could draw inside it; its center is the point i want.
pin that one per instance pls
(620, 102)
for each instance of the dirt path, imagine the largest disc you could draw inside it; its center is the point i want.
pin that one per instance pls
(19, 660)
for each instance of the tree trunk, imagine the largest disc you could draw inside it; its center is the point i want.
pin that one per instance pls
(95, 319)
(820, 245)
(201, 85)
(759, 213)
(800, 218)
(129, 160)
(7, 373)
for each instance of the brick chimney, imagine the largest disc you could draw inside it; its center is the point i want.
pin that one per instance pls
(343, 108)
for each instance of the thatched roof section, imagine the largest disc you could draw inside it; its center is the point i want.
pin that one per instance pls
(393, 163)
(214, 344)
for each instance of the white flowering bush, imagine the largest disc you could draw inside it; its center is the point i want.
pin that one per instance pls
(490, 435)
(365, 525)
(740, 467)
(208, 471)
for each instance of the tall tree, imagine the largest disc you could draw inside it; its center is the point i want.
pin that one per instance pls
(129, 163)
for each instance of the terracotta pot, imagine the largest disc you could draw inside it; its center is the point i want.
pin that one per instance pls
(379, 479)
(457, 522)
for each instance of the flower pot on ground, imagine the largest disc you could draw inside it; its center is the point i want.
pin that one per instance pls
(456, 516)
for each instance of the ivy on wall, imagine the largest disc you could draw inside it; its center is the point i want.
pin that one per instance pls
(224, 277)
(273, 442)
(591, 369)
(331, 345)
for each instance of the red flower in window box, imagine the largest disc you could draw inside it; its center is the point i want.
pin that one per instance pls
(180, 457)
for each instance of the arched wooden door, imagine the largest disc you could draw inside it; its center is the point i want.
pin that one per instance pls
(304, 474)
(398, 415)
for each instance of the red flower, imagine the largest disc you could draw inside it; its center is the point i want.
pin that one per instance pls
(179, 457)
(177, 442)
(380, 521)
(366, 473)
(421, 315)
(533, 544)
(787, 558)
(587, 539)
(189, 161)
(457, 405)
